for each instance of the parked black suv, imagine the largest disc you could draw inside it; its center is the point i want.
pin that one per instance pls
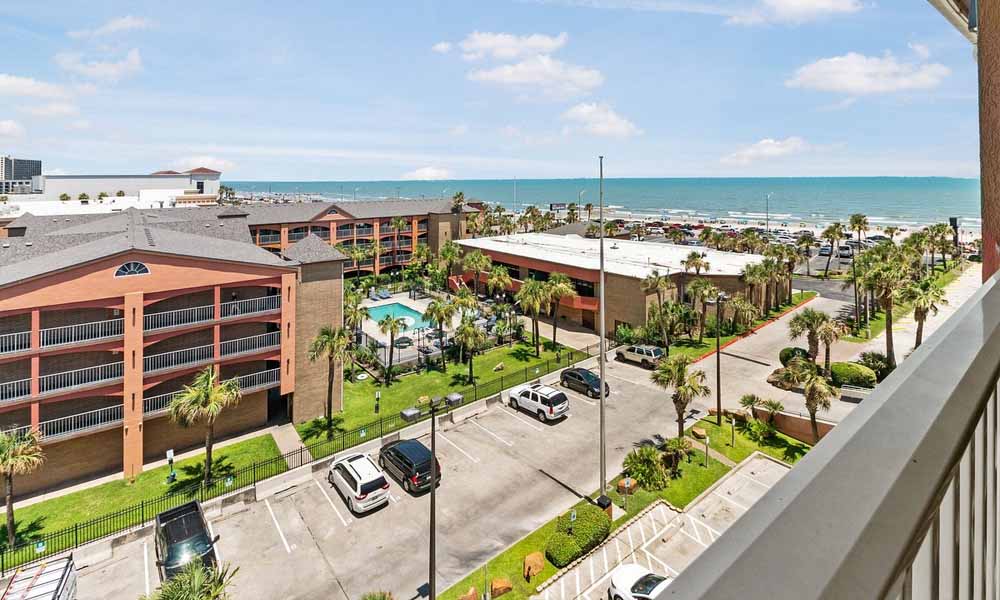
(182, 536)
(409, 462)
(584, 381)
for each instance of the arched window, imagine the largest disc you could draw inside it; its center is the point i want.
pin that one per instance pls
(132, 268)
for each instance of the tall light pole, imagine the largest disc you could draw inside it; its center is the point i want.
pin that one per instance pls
(356, 194)
(601, 358)
(767, 212)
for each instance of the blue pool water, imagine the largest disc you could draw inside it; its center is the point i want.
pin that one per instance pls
(413, 319)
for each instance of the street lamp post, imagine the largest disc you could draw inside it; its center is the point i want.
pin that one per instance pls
(356, 194)
(601, 359)
(767, 212)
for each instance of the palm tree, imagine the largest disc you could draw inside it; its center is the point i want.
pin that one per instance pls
(772, 407)
(886, 278)
(858, 223)
(391, 326)
(744, 311)
(593, 230)
(750, 402)
(693, 262)
(354, 313)
(470, 337)
(756, 277)
(64, 197)
(701, 290)
(559, 286)
(572, 215)
(202, 402)
(457, 202)
(829, 333)
(534, 300)
(20, 454)
(83, 196)
(120, 193)
(808, 321)
(610, 228)
(775, 276)
(334, 343)
(925, 297)
(654, 282)
(832, 234)
(477, 262)
(891, 231)
(440, 312)
(804, 243)
(818, 393)
(669, 318)
(687, 386)
(450, 253)
(589, 207)
(197, 581)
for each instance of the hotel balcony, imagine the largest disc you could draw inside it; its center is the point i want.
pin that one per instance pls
(404, 243)
(344, 233)
(364, 231)
(206, 314)
(294, 236)
(403, 257)
(422, 226)
(323, 234)
(899, 500)
(254, 382)
(12, 343)
(269, 238)
(199, 355)
(385, 260)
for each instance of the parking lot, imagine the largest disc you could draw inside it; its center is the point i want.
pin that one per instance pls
(664, 540)
(503, 475)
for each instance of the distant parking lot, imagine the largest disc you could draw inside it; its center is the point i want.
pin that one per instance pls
(503, 475)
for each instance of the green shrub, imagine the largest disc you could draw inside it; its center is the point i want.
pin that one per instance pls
(645, 465)
(760, 431)
(592, 525)
(787, 354)
(625, 335)
(878, 362)
(849, 373)
(562, 549)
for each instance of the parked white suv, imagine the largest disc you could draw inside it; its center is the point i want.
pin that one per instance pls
(647, 356)
(360, 482)
(544, 402)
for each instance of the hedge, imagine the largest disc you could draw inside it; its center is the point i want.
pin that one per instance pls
(787, 354)
(876, 361)
(592, 525)
(562, 549)
(849, 373)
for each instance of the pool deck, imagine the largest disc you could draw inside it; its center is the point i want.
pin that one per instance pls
(370, 327)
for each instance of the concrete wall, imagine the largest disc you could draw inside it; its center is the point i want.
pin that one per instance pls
(320, 302)
(92, 186)
(75, 460)
(799, 427)
(161, 434)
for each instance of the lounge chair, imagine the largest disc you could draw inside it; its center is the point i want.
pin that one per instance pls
(384, 294)
(373, 296)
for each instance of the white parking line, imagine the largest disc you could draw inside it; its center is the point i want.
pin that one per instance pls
(281, 533)
(697, 540)
(731, 501)
(477, 424)
(454, 445)
(330, 500)
(585, 400)
(706, 526)
(393, 498)
(652, 558)
(145, 562)
(523, 421)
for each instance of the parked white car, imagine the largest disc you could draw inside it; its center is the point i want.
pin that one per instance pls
(632, 582)
(360, 482)
(546, 403)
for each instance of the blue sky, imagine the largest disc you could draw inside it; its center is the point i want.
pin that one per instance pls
(475, 89)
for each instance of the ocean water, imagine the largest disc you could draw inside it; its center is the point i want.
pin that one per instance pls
(908, 201)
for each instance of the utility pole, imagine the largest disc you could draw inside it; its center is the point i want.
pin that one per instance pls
(601, 358)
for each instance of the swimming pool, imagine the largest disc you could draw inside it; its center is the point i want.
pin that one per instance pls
(412, 318)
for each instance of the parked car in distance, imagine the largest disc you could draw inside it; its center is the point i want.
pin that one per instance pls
(825, 250)
(633, 582)
(409, 462)
(359, 481)
(647, 356)
(845, 252)
(544, 402)
(181, 535)
(584, 381)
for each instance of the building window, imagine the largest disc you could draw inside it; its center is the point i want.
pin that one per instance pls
(132, 268)
(332, 211)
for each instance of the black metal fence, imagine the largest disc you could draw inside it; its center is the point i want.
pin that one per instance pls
(49, 544)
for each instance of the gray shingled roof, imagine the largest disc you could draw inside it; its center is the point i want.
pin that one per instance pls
(48, 246)
(370, 209)
(293, 212)
(311, 249)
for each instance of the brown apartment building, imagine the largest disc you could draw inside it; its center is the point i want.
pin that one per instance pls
(104, 317)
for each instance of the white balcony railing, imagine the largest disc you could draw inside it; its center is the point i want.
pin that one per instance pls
(80, 377)
(900, 500)
(344, 233)
(15, 390)
(364, 231)
(385, 260)
(253, 343)
(323, 234)
(87, 421)
(253, 382)
(154, 405)
(295, 236)
(366, 262)
(178, 318)
(82, 332)
(15, 342)
(269, 238)
(250, 306)
(178, 358)
(421, 226)
(403, 257)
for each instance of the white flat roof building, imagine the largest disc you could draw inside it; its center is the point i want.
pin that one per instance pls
(630, 259)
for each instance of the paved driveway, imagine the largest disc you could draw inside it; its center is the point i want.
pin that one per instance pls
(503, 475)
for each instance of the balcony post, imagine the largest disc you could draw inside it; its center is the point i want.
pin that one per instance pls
(288, 291)
(132, 388)
(35, 419)
(36, 343)
(217, 328)
(284, 237)
(989, 132)
(333, 233)
(377, 239)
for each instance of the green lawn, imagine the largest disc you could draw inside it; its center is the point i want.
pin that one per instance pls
(695, 478)
(720, 439)
(902, 309)
(77, 507)
(519, 362)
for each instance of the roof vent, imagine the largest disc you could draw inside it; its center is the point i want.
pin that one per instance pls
(6, 245)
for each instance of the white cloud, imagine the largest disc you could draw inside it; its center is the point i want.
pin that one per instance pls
(428, 174)
(858, 74)
(53, 109)
(80, 124)
(840, 105)
(100, 70)
(506, 46)
(921, 50)
(119, 25)
(599, 119)
(442, 47)
(461, 129)
(207, 161)
(10, 129)
(12, 85)
(542, 73)
(761, 12)
(765, 149)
